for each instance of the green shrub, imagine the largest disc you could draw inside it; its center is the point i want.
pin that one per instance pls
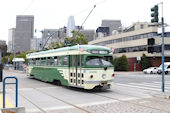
(145, 62)
(121, 63)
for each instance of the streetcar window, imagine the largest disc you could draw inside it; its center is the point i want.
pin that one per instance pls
(37, 61)
(33, 61)
(59, 62)
(73, 61)
(55, 61)
(99, 61)
(93, 61)
(50, 61)
(65, 60)
(76, 61)
(43, 61)
(29, 61)
(99, 52)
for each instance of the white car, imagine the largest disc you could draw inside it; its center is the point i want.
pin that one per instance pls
(166, 68)
(151, 70)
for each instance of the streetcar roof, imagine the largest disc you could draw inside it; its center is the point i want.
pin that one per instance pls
(72, 48)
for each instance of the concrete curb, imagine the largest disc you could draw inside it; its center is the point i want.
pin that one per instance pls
(162, 95)
(127, 72)
(13, 110)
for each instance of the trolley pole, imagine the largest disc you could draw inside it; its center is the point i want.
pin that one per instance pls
(42, 41)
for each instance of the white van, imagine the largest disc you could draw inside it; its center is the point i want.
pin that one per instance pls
(166, 68)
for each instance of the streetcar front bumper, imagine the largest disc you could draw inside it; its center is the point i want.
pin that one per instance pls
(93, 84)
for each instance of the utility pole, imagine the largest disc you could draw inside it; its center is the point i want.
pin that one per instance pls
(163, 29)
(155, 19)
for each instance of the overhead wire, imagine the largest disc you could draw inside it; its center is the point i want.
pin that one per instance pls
(82, 11)
(29, 5)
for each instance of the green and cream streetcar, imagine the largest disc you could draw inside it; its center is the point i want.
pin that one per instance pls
(84, 66)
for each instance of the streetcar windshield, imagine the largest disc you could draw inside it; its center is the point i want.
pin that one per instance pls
(99, 61)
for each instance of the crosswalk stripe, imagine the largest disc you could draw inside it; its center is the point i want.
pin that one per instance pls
(141, 87)
(166, 82)
(156, 84)
(151, 85)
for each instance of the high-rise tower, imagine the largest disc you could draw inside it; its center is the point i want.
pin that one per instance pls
(70, 26)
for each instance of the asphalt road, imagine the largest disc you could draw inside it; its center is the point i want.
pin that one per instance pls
(139, 77)
(132, 93)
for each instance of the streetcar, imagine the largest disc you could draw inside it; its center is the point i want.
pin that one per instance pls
(83, 66)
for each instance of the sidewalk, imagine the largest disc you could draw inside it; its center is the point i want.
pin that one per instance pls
(15, 71)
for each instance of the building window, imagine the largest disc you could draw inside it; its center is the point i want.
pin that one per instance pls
(130, 49)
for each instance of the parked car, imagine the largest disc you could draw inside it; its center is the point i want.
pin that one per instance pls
(166, 68)
(151, 70)
(167, 71)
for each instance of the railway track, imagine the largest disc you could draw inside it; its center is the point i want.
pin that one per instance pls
(94, 93)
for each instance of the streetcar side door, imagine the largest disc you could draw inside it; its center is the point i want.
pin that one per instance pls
(75, 70)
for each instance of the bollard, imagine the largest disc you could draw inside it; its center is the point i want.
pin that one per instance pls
(16, 86)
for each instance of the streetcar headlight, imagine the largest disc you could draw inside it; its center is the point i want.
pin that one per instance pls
(103, 76)
(91, 76)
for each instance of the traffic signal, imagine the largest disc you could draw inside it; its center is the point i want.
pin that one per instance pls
(154, 14)
(152, 47)
(151, 41)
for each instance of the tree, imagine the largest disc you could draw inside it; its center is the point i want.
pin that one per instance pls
(121, 63)
(145, 62)
(77, 38)
(55, 45)
(21, 55)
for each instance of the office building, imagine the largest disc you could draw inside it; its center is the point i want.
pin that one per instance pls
(36, 44)
(49, 37)
(23, 33)
(11, 37)
(90, 34)
(112, 24)
(3, 48)
(133, 42)
(102, 32)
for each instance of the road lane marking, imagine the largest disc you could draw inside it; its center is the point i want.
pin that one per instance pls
(97, 103)
(8, 104)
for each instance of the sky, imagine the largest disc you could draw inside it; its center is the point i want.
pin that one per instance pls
(53, 14)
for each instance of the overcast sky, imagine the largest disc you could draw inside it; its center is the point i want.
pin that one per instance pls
(54, 13)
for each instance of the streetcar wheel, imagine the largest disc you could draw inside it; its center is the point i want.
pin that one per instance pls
(57, 82)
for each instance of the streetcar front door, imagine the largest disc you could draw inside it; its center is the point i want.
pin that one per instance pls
(75, 70)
